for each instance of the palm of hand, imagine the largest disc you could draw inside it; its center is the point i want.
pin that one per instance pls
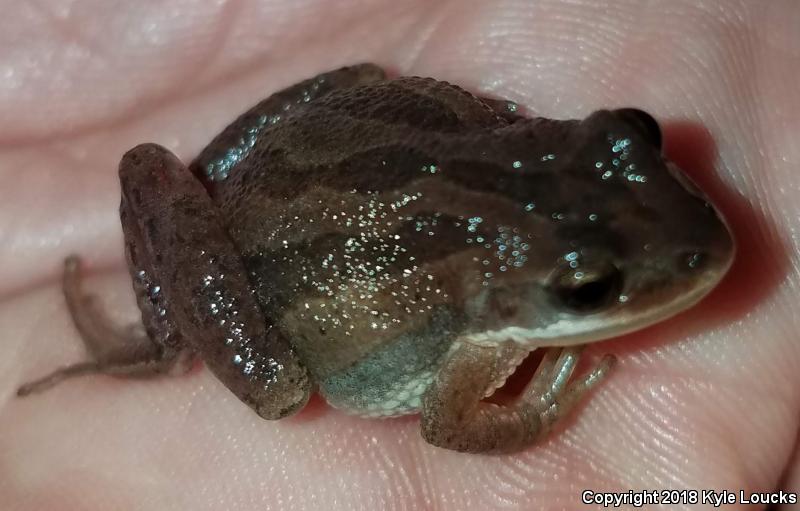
(707, 400)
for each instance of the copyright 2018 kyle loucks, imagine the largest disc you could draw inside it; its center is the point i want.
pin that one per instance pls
(715, 498)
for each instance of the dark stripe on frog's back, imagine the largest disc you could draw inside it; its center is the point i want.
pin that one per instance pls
(336, 137)
(387, 165)
(390, 159)
(345, 120)
(481, 161)
(422, 104)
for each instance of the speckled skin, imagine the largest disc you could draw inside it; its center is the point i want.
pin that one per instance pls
(400, 245)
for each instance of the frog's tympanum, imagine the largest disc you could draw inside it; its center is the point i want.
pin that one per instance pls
(399, 246)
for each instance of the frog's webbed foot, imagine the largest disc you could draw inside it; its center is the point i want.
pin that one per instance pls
(454, 417)
(119, 351)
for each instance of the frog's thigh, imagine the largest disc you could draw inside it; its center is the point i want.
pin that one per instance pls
(216, 157)
(114, 349)
(454, 417)
(200, 284)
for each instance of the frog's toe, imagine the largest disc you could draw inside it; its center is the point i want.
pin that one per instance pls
(550, 394)
(118, 350)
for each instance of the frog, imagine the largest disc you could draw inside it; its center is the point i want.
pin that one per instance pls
(400, 245)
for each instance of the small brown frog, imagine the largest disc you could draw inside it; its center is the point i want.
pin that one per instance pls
(400, 245)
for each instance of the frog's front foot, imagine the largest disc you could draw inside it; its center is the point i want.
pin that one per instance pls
(454, 417)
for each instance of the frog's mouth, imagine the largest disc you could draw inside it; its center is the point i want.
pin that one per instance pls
(542, 325)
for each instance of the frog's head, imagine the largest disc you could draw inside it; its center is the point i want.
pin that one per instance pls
(619, 239)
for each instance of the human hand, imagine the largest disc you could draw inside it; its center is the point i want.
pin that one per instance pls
(706, 400)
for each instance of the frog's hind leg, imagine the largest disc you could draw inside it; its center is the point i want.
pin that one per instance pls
(225, 151)
(119, 351)
(455, 417)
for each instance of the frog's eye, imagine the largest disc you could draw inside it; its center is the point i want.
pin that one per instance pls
(645, 121)
(586, 288)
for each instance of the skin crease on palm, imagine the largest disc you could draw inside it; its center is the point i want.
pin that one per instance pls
(710, 399)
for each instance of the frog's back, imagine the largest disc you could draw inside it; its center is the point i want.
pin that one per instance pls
(323, 242)
(381, 222)
(339, 136)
